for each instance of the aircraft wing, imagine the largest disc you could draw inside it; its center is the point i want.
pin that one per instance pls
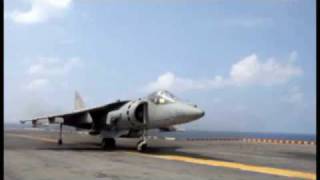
(84, 118)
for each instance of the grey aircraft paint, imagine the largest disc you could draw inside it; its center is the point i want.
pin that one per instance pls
(159, 110)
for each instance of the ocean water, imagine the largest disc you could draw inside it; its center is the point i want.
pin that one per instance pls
(225, 134)
(196, 134)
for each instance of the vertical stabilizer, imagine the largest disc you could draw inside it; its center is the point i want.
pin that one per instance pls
(78, 102)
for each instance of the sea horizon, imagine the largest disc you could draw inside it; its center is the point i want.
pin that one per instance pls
(200, 133)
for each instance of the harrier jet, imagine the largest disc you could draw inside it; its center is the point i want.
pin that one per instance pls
(130, 119)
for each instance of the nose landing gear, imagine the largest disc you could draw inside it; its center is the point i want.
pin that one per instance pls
(142, 144)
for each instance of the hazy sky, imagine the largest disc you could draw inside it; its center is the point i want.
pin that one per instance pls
(251, 65)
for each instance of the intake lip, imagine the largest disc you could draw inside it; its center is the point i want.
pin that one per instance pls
(138, 113)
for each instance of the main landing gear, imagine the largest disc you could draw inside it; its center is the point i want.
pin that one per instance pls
(108, 143)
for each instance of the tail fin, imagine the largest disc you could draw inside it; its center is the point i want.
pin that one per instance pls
(78, 102)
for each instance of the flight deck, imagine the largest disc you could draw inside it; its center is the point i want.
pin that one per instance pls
(36, 155)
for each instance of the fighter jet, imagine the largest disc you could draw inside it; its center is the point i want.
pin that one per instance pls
(129, 118)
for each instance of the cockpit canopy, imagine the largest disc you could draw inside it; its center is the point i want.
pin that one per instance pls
(162, 97)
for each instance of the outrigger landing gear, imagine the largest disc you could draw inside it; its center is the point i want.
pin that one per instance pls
(60, 142)
(108, 143)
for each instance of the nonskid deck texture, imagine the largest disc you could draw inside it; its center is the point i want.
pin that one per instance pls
(35, 155)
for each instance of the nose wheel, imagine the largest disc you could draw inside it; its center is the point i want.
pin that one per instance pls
(142, 145)
(108, 143)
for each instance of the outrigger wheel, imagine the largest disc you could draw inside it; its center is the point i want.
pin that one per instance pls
(59, 141)
(108, 143)
(60, 135)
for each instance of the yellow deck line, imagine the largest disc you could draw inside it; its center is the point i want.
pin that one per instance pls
(231, 165)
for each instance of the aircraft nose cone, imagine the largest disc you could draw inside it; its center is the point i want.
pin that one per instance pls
(202, 113)
(197, 113)
(186, 113)
(193, 113)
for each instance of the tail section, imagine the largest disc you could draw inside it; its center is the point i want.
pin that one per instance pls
(78, 102)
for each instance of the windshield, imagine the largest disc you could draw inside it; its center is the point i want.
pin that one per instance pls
(162, 97)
